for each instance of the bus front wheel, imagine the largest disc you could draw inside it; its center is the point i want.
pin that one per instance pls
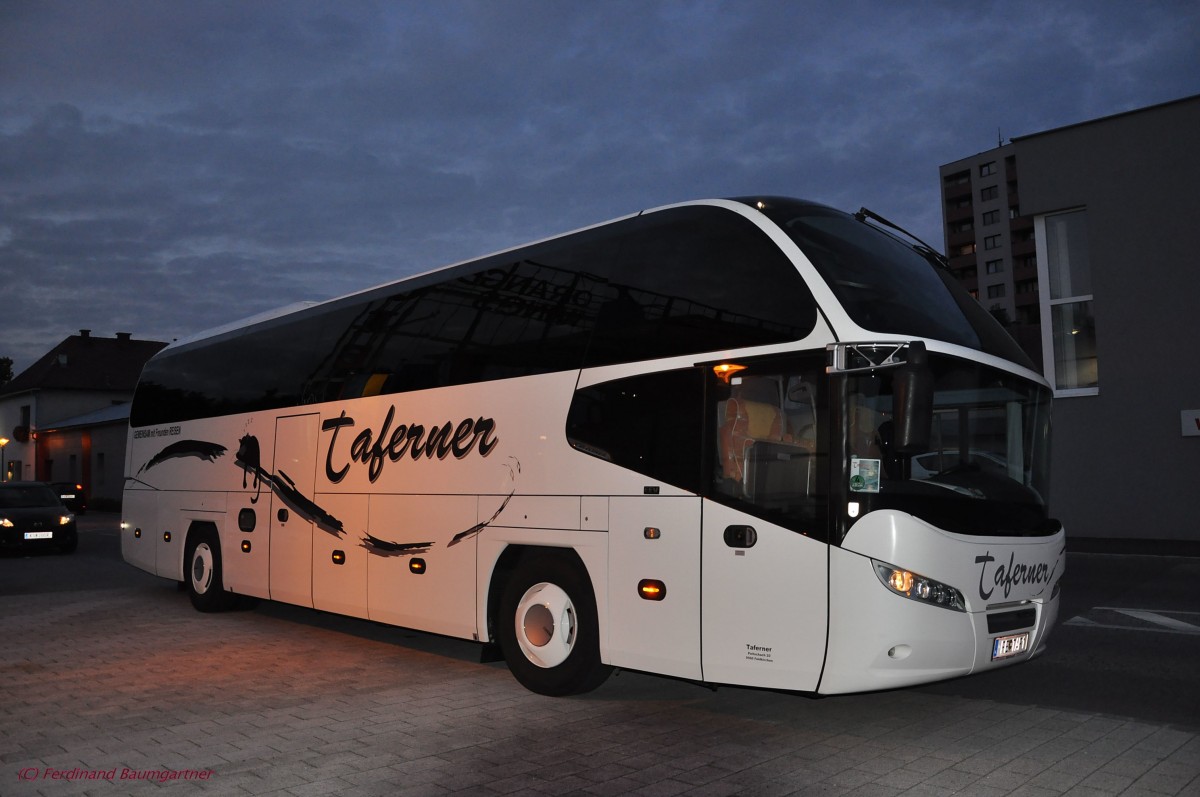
(548, 627)
(202, 572)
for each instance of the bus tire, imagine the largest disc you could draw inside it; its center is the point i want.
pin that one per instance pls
(548, 629)
(202, 572)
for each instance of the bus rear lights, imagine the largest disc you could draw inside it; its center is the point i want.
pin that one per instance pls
(652, 589)
(919, 588)
(416, 566)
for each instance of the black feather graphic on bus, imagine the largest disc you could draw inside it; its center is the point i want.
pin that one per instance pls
(386, 548)
(185, 448)
(248, 458)
(281, 484)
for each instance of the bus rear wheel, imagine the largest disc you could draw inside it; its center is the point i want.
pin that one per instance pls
(202, 572)
(548, 628)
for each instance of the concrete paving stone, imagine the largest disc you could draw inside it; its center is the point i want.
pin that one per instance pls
(928, 764)
(1055, 750)
(513, 785)
(874, 789)
(1026, 765)
(1165, 741)
(1083, 763)
(902, 779)
(698, 776)
(317, 788)
(925, 790)
(978, 789)
(669, 788)
(952, 779)
(882, 765)
(615, 787)
(1004, 780)
(1029, 790)
(849, 778)
(1164, 783)
(1058, 778)
(1130, 764)
(1107, 782)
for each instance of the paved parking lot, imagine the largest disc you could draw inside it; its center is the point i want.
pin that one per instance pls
(129, 690)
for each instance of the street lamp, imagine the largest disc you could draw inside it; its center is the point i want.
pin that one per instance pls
(3, 469)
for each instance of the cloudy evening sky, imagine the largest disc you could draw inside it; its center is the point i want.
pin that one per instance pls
(166, 167)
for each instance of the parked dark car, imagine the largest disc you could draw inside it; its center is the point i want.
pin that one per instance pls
(72, 495)
(32, 516)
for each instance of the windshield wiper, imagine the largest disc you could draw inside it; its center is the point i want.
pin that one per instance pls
(925, 249)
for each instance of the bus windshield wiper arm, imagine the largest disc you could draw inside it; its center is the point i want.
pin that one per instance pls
(865, 213)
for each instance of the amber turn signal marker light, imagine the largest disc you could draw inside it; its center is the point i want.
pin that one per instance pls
(137, 534)
(166, 536)
(416, 566)
(725, 371)
(245, 546)
(339, 557)
(652, 589)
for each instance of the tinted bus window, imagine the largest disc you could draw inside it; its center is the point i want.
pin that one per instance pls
(680, 281)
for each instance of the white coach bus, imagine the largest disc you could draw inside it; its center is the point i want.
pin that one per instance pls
(754, 441)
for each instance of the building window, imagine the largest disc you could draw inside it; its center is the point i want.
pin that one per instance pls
(991, 217)
(966, 249)
(991, 242)
(1068, 325)
(1014, 211)
(995, 266)
(995, 291)
(987, 168)
(991, 192)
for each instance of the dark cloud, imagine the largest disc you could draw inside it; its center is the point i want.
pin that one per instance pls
(168, 167)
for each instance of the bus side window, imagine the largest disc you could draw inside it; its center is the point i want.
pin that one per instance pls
(652, 424)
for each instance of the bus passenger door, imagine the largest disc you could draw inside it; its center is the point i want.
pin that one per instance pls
(764, 602)
(291, 533)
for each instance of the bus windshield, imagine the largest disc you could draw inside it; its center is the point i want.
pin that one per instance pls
(886, 284)
(985, 468)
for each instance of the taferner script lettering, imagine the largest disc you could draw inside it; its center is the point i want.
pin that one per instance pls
(373, 448)
(1008, 576)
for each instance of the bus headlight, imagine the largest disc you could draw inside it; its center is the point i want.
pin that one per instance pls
(919, 588)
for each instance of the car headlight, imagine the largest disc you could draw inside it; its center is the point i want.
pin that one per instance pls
(6, 523)
(919, 588)
(65, 519)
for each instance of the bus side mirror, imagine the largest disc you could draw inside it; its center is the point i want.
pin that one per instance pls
(912, 402)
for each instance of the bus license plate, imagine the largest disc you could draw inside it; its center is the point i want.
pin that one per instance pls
(39, 535)
(1006, 646)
